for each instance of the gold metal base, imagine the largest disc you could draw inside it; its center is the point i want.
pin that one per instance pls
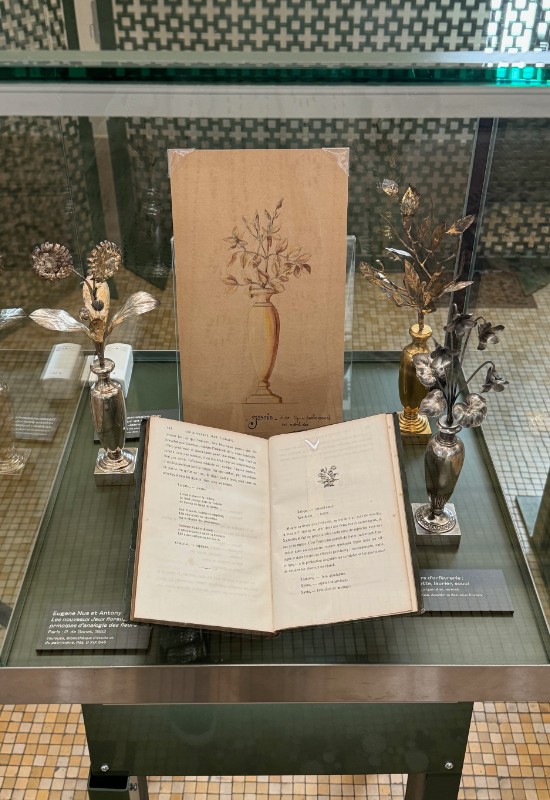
(448, 539)
(414, 429)
(115, 477)
(16, 464)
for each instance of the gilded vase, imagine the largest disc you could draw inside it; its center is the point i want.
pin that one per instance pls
(443, 462)
(411, 391)
(109, 416)
(263, 342)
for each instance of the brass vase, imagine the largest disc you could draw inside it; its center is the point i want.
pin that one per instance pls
(411, 391)
(263, 341)
(109, 416)
(443, 462)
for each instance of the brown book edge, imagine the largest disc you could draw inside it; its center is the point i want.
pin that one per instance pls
(411, 529)
(141, 467)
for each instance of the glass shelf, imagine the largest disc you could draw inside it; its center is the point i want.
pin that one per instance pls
(82, 561)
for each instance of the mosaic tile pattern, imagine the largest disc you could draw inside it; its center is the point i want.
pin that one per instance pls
(294, 25)
(43, 756)
(81, 196)
(32, 25)
(516, 219)
(43, 197)
(516, 27)
(430, 153)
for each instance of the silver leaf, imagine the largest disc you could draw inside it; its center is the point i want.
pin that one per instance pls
(55, 319)
(398, 252)
(9, 315)
(138, 303)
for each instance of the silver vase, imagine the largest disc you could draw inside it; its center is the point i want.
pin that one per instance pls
(443, 461)
(12, 461)
(109, 416)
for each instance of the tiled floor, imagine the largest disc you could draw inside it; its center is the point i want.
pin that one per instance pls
(43, 756)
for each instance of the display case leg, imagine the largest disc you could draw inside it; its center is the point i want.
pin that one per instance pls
(117, 787)
(432, 787)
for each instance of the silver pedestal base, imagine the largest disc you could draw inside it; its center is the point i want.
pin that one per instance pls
(424, 537)
(120, 477)
(15, 466)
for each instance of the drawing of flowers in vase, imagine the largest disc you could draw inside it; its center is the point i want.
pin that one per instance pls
(261, 262)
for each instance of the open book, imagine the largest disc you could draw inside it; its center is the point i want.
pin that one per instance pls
(305, 528)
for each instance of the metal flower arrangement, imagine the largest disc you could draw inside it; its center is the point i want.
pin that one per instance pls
(441, 372)
(53, 262)
(424, 258)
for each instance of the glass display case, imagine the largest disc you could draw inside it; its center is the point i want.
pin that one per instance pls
(453, 104)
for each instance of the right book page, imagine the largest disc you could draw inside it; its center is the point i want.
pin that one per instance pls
(339, 539)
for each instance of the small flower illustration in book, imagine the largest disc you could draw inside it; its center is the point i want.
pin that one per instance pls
(328, 476)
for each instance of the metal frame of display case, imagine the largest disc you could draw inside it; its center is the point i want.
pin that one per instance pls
(131, 701)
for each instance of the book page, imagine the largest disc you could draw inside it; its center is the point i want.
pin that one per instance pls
(203, 548)
(339, 538)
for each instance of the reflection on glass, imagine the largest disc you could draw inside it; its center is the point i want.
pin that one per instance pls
(512, 283)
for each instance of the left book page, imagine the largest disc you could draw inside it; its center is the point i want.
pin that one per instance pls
(203, 551)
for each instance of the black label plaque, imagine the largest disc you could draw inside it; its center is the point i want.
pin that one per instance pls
(473, 591)
(91, 629)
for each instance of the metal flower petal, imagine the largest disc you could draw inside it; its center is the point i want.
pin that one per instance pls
(460, 323)
(470, 413)
(442, 357)
(434, 404)
(409, 202)
(488, 334)
(97, 303)
(104, 260)
(55, 319)
(493, 381)
(9, 315)
(389, 187)
(53, 262)
(424, 372)
(138, 303)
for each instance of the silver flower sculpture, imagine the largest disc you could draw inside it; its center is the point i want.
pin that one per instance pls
(440, 371)
(54, 262)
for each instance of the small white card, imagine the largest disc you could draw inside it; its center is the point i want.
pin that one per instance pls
(60, 375)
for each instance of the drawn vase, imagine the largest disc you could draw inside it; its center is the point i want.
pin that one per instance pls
(11, 462)
(263, 342)
(443, 462)
(109, 416)
(411, 391)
